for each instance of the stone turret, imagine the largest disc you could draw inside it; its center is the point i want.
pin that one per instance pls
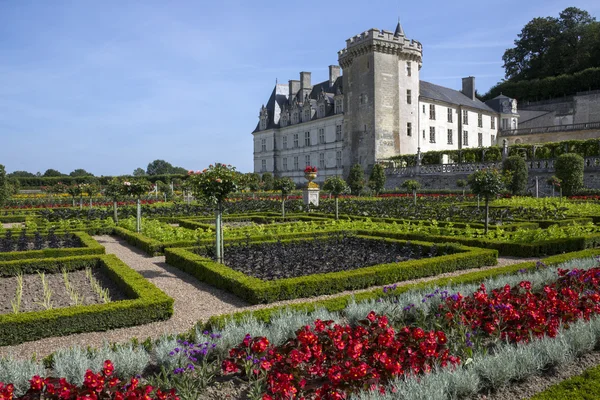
(381, 70)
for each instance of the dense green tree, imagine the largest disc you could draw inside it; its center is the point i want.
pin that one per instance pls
(413, 186)
(139, 172)
(356, 179)
(487, 183)
(179, 171)
(52, 172)
(267, 181)
(252, 181)
(80, 172)
(377, 179)
(4, 188)
(461, 183)
(569, 170)
(551, 46)
(285, 185)
(21, 174)
(518, 172)
(336, 186)
(159, 167)
(114, 190)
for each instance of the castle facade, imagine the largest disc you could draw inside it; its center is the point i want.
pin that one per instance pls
(377, 108)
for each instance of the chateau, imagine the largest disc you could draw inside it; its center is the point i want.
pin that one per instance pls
(377, 108)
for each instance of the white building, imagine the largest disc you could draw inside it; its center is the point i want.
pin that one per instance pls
(377, 109)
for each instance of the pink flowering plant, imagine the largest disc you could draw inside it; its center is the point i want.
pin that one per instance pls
(214, 183)
(136, 187)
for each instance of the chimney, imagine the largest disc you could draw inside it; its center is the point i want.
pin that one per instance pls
(468, 87)
(294, 86)
(334, 73)
(305, 80)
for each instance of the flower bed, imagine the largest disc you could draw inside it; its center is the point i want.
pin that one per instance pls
(333, 361)
(146, 303)
(25, 246)
(339, 252)
(41, 291)
(258, 291)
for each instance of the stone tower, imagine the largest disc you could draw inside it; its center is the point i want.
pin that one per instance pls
(381, 96)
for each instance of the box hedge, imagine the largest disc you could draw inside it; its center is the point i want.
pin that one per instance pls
(146, 302)
(89, 246)
(258, 291)
(341, 302)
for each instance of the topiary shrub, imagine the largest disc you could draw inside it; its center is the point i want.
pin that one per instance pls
(377, 179)
(517, 167)
(356, 179)
(569, 169)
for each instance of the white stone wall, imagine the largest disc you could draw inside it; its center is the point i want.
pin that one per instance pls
(408, 112)
(275, 157)
(441, 124)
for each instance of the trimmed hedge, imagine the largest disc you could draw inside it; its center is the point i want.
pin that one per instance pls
(535, 249)
(89, 246)
(341, 302)
(147, 303)
(7, 219)
(258, 291)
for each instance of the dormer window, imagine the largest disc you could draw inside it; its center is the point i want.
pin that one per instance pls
(307, 115)
(284, 120)
(339, 108)
(263, 124)
(295, 117)
(321, 110)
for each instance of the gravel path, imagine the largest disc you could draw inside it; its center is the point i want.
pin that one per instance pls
(194, 301)
(9, 225)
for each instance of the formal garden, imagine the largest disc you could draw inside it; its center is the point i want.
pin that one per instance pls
(233, 290)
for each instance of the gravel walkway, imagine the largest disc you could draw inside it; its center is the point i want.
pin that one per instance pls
(194, 301)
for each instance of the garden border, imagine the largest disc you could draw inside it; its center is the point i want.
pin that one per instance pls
(89, 246)
(147, 304)
(256, 291)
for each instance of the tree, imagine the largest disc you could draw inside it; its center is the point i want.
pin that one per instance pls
(159, 167)
(4, 189)
(285, 185)
(267, 181)
(486, 183)
(356, 179)
(413, 186)
(569, 169)
(52, 172)
(139, 172)
(179, 171)
(214, 184)
(114, 191)
(461, 183)
(519, 174)
(553, 46)
(21, 174)
(136, 188)
(80, 172)
(377, 179)
(336, 186)
(252, 181)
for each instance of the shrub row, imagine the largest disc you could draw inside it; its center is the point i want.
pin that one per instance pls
(89, 246)
(341, 302)
(257, 291)
(147, 303)
(536, 249)
(7, 219)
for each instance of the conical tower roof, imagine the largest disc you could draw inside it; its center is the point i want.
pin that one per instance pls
(399, 31)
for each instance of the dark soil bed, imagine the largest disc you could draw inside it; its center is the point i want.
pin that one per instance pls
(37, 241)
(33, 291)
(269, 261)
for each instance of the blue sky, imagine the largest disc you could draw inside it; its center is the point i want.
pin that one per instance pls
(111, 85)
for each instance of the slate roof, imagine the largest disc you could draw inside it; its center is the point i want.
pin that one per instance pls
(435, 92)
(279, 98)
